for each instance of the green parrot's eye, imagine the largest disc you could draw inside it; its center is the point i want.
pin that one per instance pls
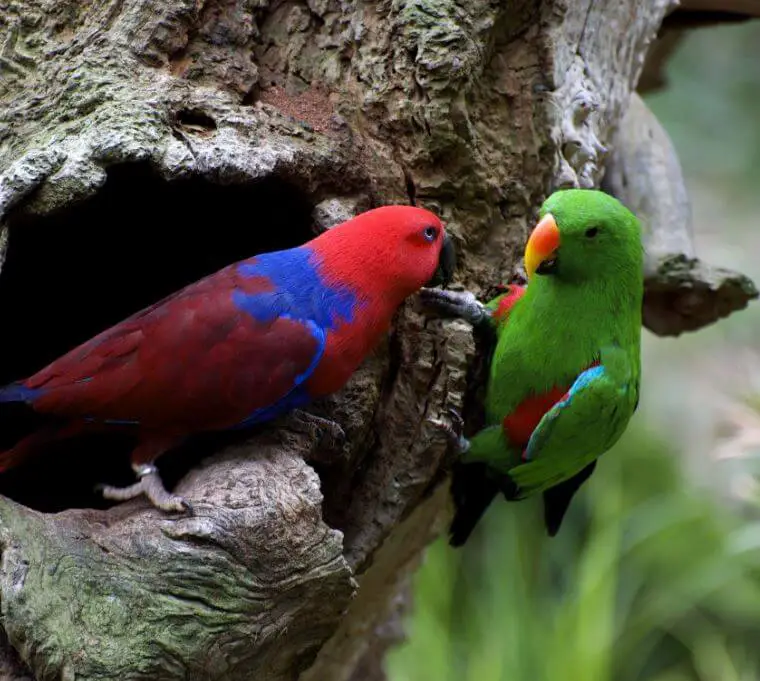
(591, 232)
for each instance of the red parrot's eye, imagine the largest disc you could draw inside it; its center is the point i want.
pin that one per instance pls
(430, 233)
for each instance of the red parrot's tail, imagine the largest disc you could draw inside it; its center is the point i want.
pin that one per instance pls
(33, 444)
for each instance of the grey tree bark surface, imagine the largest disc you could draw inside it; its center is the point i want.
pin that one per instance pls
(476, 110)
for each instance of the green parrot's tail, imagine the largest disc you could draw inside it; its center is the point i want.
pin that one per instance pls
(557, 499)
(473, 488)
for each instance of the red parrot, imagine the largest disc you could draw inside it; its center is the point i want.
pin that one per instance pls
(249, 343)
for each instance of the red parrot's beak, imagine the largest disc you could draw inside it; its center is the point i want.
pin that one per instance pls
(541, 248)
(447, 263)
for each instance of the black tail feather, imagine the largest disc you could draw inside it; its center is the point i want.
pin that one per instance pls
(473, 488)
(557, 499)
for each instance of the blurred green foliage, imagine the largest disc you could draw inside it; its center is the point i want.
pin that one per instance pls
(653, 577)
(650, 579)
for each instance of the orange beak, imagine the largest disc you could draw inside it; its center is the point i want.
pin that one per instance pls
(542, 244)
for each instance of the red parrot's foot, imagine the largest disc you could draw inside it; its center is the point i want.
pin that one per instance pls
(326, 429)
(151, 486)
(454, 431)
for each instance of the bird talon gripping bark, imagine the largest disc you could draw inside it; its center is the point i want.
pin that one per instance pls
(152, 487)
(462, 304)
(453, 431)
(313, 424)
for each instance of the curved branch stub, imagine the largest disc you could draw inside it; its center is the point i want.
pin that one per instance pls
(686, 294)
(682, 293)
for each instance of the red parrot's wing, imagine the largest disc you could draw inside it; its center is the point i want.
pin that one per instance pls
(197, 360)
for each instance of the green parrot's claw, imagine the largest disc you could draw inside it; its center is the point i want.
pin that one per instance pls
(456, 419)
(462, 304)
(454, 431)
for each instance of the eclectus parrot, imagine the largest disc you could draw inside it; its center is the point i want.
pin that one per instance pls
(253, 341)
(564, 376)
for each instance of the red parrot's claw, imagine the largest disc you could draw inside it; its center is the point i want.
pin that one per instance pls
(330, 432)
(151, 486)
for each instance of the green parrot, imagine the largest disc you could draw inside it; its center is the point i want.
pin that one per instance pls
(565, 371)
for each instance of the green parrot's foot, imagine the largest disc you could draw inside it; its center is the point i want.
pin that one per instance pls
(332, 433)
(453, 431)
(462, 304)
(151, 486)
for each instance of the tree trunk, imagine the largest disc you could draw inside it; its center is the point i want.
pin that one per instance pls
(145, 143)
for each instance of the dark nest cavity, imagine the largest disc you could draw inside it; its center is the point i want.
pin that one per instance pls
(74, 273)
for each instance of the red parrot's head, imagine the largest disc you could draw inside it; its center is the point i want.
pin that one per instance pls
(393, 249)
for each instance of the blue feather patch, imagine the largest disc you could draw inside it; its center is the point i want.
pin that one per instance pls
(298, 290)
(581, 382)
(539, 434)
(15, 392)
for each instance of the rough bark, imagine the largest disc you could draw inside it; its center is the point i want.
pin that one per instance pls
(474, 109)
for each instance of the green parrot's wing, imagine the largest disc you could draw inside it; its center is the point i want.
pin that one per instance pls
(580, 427)
(490, 446)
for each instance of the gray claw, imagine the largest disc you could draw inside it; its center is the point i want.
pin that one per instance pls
(305, 421)
(456, 417)
(462, 304)
(453, 431)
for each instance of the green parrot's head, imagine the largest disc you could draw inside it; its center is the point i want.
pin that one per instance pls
(584, 235)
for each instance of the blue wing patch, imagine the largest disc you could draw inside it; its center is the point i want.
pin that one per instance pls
(298, 290)
(15, 392)
(295, 290)
(583, 381)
